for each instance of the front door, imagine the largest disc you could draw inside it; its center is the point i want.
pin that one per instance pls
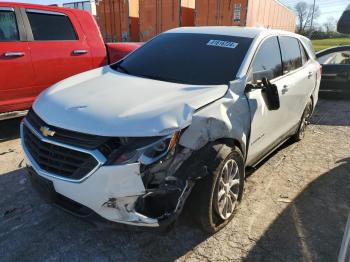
(16, 71)
(267, 126)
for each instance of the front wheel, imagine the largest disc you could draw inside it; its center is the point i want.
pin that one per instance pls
(217, 195)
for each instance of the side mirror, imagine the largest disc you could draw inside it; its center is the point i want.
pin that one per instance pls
(255, 79)
(272, 97)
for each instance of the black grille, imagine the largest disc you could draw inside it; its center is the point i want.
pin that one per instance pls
(69, 137)
(58, 160)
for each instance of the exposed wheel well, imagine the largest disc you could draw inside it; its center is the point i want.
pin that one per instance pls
(233, 142)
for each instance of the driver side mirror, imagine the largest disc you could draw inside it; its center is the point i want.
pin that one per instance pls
(270, 92)
(273, 99)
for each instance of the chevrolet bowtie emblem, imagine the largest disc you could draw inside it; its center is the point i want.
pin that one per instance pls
(46, 131)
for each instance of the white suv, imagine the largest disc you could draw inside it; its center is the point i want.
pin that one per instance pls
(180, 118)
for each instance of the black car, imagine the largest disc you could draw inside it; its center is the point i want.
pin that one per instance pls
(335, 63)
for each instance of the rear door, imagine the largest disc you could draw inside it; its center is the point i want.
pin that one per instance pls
(58, 48)
(15, 64)
(335, 70)
(300, 77)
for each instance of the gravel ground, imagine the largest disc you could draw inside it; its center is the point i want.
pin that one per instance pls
(295, 209)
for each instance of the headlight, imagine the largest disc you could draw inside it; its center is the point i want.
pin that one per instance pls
(148, 154)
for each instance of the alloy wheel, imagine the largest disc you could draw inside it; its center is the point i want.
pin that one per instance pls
(228, 183)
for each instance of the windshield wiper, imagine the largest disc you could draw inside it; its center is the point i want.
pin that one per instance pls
(161, 78)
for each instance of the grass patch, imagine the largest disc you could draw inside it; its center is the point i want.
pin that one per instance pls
(325, 43)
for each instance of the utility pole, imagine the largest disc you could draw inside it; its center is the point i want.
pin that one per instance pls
(312, 18)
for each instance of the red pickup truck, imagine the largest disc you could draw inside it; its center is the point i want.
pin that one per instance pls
(41, 45)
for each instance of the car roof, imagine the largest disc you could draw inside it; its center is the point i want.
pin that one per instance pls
(249, 32)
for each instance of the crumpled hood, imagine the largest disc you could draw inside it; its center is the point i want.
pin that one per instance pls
(108, 103)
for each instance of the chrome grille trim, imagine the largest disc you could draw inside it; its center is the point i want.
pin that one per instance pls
(100, 158)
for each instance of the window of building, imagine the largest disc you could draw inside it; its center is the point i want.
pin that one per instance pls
(237, 13)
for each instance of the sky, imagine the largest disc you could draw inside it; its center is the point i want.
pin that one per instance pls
(328, 8)
(334, 8)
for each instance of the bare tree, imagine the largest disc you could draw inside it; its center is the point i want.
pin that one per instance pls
(330, 25)
(304, 15)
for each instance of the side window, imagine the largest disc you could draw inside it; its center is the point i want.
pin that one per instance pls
(304, 55)
(291, 56)
(50, 26)
(335, 58)
(267, 61)
(8, 25)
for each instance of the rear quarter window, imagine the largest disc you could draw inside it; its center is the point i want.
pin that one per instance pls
(51, 26)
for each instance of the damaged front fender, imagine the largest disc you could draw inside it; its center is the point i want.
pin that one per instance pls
(226, 118)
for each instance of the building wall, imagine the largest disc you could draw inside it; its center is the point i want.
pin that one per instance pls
(220, 12)
(113, 19)
(157, 16)
(140, 20)
(270, 14)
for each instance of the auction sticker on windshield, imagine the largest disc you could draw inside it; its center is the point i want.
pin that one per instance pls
(220, 43)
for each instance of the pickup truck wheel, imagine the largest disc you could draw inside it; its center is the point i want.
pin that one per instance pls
(304, 122)
(217, 195)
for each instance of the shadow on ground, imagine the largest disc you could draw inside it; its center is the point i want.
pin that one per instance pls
(302, 231)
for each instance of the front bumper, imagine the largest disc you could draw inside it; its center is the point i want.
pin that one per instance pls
(100, 193)
(109, 191)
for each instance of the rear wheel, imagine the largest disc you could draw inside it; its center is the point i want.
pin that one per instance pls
(304, 122)
(217, 195)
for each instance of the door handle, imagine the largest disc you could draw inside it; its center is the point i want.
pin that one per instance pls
(309, 75)
(284, 89)
(80, 52)
(14, 54)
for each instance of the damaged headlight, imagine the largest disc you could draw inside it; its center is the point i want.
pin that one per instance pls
(146, 154)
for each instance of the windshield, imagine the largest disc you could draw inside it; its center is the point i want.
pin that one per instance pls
(200, 59)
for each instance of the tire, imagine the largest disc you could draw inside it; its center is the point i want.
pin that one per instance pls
(304, 122)
(208, 208)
